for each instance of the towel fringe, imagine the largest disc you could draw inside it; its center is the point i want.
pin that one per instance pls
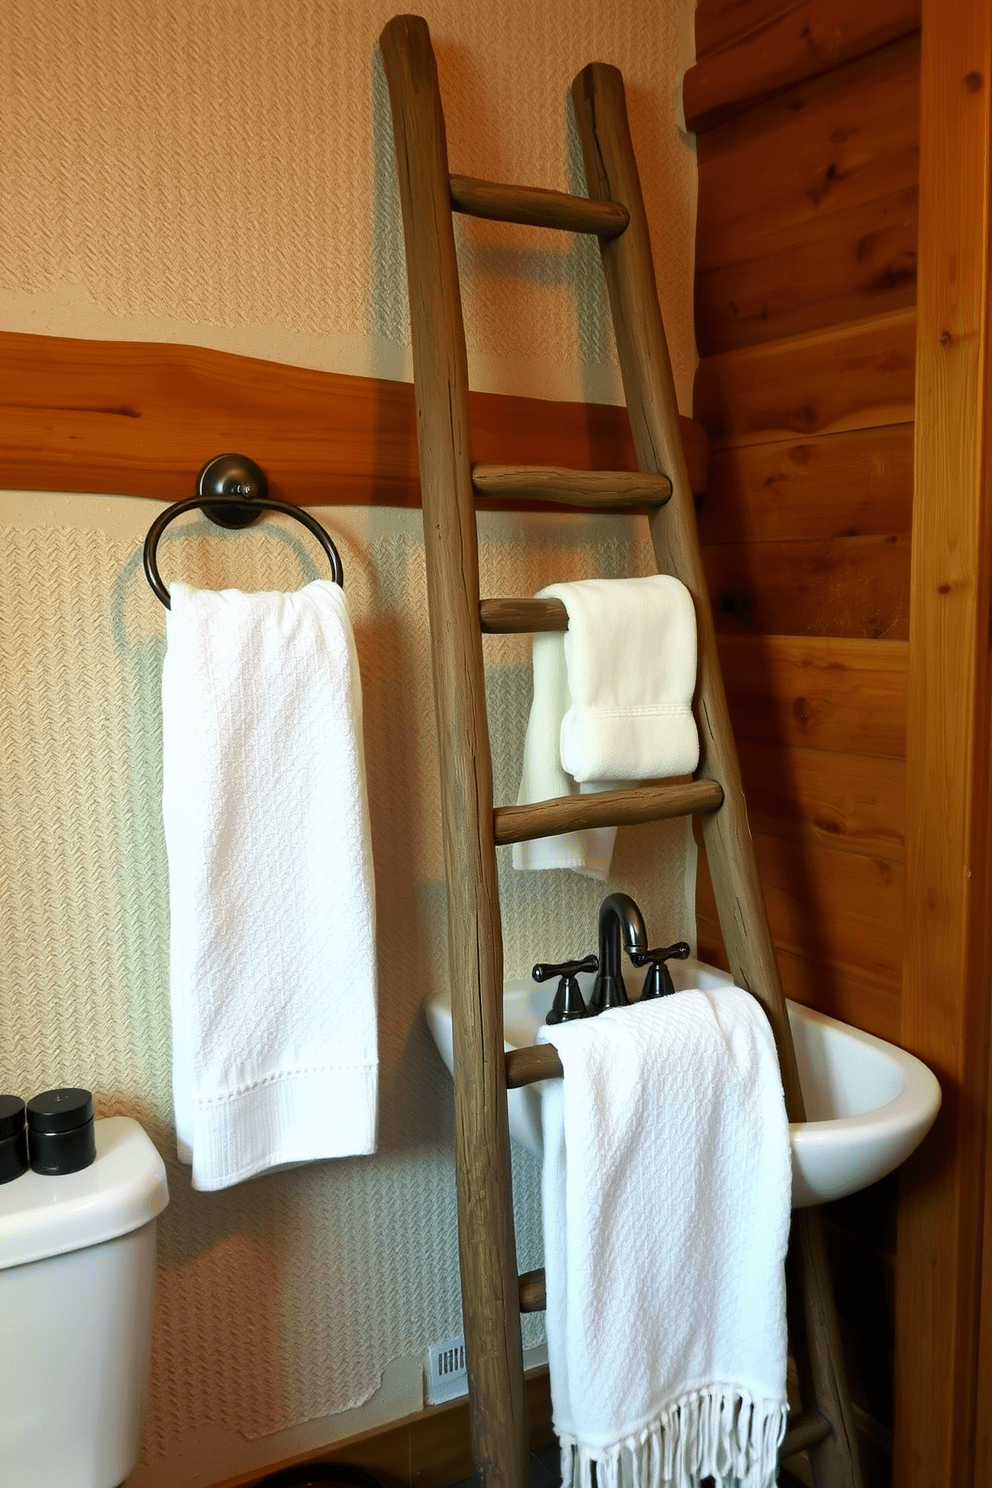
(718, 1432)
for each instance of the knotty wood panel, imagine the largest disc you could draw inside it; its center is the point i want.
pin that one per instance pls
(839, 908)
(140, 419)
(843, 586)
(843, 266)
(833, 986)
(837, 485)
(807, 40)
(847, 802)
(835, 908)
(846, 138)
(818, 692)
(855, 376)
(722, 23)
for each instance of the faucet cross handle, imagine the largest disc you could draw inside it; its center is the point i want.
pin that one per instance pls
(658, 982)
(568, 1003)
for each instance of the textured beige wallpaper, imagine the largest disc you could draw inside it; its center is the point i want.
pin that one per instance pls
(221, 173)
(283, 1299)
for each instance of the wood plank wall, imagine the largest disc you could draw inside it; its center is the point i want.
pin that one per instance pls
(805, 284)
(807, 122)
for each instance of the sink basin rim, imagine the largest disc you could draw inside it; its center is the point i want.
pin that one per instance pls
(823, 1150)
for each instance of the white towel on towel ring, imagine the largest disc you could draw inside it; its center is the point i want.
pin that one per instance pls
(273, 980)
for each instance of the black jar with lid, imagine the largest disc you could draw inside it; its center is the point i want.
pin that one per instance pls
(13, 1138)
(61, 1134)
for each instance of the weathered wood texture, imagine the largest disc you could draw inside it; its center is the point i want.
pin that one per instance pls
(803, 41)
(487, 1251)
(527, 1066)
(642, 803)
(948, 949)
(140, 419)
(536, 207)
(599, 489)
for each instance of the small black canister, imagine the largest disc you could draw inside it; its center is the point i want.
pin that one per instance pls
(13, 1138)
(61, 1135)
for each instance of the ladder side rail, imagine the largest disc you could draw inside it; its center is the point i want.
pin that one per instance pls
(611, 171)
(482, 1144)
(598, 97)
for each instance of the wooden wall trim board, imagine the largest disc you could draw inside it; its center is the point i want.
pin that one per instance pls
(802, 42)
(141, 418)
(430, 1449)
(948, 961)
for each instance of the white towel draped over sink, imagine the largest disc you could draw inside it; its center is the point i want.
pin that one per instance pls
(666, 1192)
(869, 1104)
(272, 976)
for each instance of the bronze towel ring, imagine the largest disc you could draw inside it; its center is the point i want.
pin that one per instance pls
(231, 491)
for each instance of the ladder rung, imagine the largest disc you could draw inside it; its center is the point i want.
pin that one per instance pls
(606, 489)
(619, 808)
(521, 616)
(537, 208)
(533, 1296)
(803, 1431)
(532, 1063)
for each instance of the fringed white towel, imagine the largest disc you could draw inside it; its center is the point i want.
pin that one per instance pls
(273, 980)
(612, 705)
(667, 1195)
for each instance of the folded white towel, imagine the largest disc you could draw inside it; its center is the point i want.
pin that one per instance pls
(666, 1190)
(612, 705)
(270, 881)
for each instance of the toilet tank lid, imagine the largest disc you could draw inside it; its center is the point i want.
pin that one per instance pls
(121, 1190)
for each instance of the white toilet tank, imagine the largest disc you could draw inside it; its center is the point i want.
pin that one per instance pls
(77, 1286)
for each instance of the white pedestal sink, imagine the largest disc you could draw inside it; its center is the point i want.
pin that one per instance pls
(869, 1104)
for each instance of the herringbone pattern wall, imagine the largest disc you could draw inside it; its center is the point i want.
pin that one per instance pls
(283, 1299)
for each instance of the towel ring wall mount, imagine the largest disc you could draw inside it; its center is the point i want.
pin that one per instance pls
(226, 478)
(232, 491)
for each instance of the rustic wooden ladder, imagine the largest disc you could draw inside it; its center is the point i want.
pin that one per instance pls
(492, 1293)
